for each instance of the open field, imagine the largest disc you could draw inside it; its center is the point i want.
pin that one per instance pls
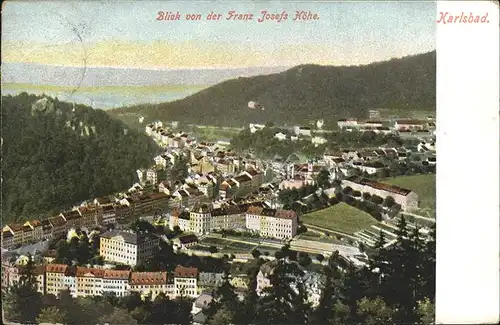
(424, 186)
(406, 113)
(341, 217)
(214, 134)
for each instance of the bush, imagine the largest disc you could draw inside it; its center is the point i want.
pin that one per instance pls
(377, 199)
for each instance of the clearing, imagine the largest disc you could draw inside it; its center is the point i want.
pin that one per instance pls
(424, 185)
(341, 217)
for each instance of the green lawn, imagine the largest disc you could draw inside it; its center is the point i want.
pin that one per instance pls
(424, 186)
(341, 217)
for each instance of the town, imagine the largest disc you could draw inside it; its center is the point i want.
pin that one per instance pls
(203, 205)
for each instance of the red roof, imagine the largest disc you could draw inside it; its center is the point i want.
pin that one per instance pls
(148, 278)
(82, 271)
(285, 214)
(57, 221)
(116, 274)
(56, 268)
(185, 272)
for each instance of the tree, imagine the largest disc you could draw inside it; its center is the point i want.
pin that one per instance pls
(323, 179)
(118, 317)
(377, 199)
(356, 193)
(224, 297)
(52, 315)
(284, 302)
(347, 190)
(304, 259)
(223, 316)
(320, 257)
(389, 201)
(426, 311)
(22, 302)
(179, 170)
(374, 312)
(256, 253)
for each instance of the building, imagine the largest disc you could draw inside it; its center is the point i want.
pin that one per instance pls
(54, 278)
(256, 127)
(318, 140)
(370, 168)
(7, 240)
(280, 136)
(281, 224)
(347, 123)
(302, 131)
(312, 283)
(91, 215)
(36, 228)
(185, 241)
(127, 247)
(89, 281)
(73, 219)
(186, 281)
(180, 219)
(201, 303)
(108, 215)
(152, 283)
(116, 281)
(405, 197)
(16, 230)
(208, 281)
(46, 229)
(409, 125)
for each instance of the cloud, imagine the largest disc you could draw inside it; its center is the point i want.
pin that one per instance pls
(187, 54)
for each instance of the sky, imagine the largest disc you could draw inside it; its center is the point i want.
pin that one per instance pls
(125, 34)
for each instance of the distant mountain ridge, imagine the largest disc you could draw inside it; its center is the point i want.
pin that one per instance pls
(38, 74)
(305, 92)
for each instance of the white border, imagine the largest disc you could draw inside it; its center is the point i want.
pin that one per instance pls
(467, 290)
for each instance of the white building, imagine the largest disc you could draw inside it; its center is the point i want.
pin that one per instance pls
(280, 136)
(127, 247)
(116, 281)
(273, 223)
(256, 127)
(318, 140)
(347, 123)
(186, 281)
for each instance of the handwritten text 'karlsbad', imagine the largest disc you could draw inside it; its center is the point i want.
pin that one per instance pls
(448, 18)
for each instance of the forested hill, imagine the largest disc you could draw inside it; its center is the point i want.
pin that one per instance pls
(55, 155)
(306, 92)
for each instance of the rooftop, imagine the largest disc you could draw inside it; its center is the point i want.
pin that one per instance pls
(185, 272)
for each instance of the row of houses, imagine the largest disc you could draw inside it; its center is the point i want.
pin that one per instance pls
(84, 281)
(385, 126)
(204, 218)
(101, 211)
(166, 138)
(242, 184)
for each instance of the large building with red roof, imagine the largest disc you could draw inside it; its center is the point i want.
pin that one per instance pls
(405, 197)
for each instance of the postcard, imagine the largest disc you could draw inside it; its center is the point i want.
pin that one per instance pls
(249, 162)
